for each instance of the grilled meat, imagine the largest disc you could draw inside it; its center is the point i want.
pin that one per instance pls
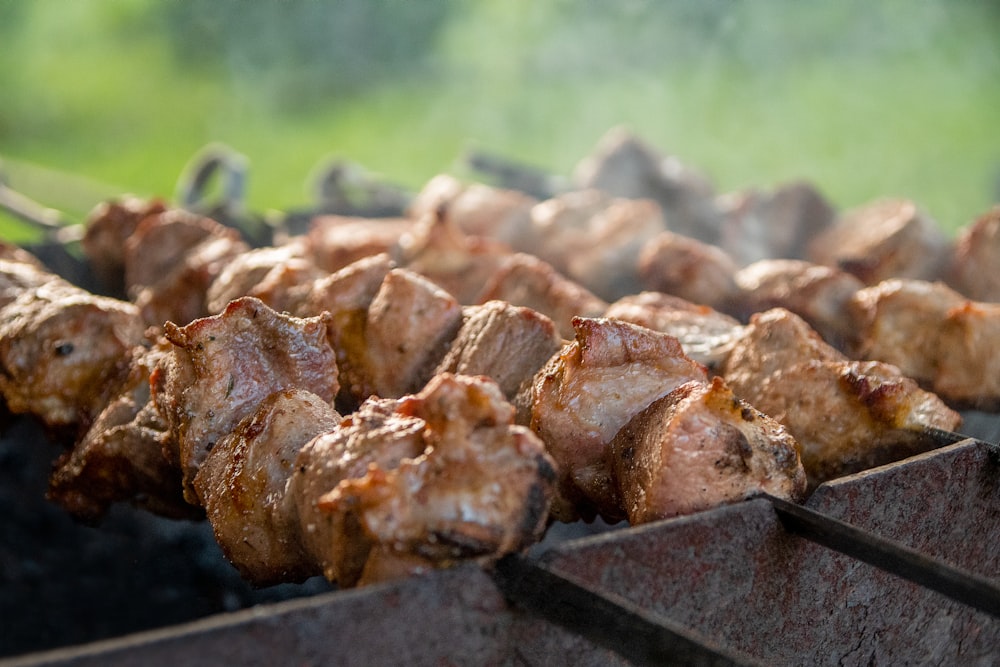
(699, 447)
(107, 229)
(171, 260)
(64, 352)
(818, 294)
(243, 486)
(222, 367)
(934, 335)
(280, 276)
(588, 391)
(688, 268)
(506, 343)
(888, 238)
(525, 280)
(480, 487)
(846, 415)
(973, 268)
(705, 334)
(128, 454)
(334, 241)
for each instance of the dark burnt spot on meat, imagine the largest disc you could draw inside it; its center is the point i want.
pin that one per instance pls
(229, 387)
(748, 414)
(736, 448)
(545, 469)
(536, 507)
(64, 349)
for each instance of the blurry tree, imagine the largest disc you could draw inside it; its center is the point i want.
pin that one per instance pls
(304, 51)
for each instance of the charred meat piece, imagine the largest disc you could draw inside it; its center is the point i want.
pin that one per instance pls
(480, 489)
(588, 391)
(125, 456)
(107, 229)
(506, 343)
(334, 241)
(441, 252)
(699, 447)
(818, 294)
(625, 166)
(243, 486)
(378, 435)
(888, 238)
(525, 280)
(705, 334)
(934, 335)
(171, 260)
(222, 367)
(846, 415)
(973, 270)
(64, 352)
(687, 268)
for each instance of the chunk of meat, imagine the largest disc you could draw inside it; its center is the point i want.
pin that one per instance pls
(846, 415)
(477, 209)
(705, 334)
(588, 391)
(934, 335)
(623, 165)
(64, 352)
(171, 259)
(125, 455)
(973, 266)
(687, 268)
(107, 228)
(459, 263)
(525, 280)
(279, 276)
(480, 489)
(699, 447)
(334, 241)
(378, 435)
(818, 294)
(778, 224)
(408, 328)
(506, 343)
(243, 486)
(222, 367)
(888, 238)
(18, 276)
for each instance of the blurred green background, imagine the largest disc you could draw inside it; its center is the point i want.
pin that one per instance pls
(103, 97)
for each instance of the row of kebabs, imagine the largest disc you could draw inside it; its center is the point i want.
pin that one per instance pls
(381, 396)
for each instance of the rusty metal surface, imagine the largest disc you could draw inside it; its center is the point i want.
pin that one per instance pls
(736, 575)
(452, 617)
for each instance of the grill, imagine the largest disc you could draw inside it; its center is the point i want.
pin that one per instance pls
(743, 584)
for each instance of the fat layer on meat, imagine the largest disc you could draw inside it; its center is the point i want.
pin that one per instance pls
(934, 335)
(699, 447)
(244, 480)
(221, 367)
(588, 391)
(705, 334)
(846, 415)
(64, 352)
(481, 488)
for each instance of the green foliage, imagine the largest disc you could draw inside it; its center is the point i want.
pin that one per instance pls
(864, 99)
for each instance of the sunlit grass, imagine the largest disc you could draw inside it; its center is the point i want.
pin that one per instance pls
(915, 122)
